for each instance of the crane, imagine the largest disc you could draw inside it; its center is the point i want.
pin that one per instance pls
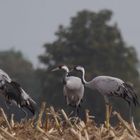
(73, 88)
(14, 93)
(110, 86)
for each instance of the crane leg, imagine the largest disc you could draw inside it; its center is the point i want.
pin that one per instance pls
(24, 113)
(130, 112)
(76, 111)
(6, 105)
(107, 123)
(108, 112)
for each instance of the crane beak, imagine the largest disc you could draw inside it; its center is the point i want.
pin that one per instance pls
(55, 69)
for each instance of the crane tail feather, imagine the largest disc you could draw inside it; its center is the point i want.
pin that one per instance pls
(130, 94)
(30, 105)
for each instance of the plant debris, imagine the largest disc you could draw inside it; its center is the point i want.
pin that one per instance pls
(56, 125)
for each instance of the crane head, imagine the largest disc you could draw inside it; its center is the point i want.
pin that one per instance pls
(61, 67)
(79, 68)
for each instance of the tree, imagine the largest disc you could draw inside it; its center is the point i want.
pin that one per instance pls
(93, 41)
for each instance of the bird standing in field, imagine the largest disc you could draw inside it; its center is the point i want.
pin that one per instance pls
(110, 86)
(73, 89)
(14, 94)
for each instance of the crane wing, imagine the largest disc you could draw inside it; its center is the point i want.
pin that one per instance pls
(15, 94)
(4, 76)
(3, 79)
(105, 84)
(110, 86)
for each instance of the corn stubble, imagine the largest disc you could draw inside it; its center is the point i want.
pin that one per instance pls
(56, 125)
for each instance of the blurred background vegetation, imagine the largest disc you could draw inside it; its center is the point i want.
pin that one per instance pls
(90, 40)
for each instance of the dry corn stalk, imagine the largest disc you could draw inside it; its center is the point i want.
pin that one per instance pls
(12, 120)
(47, 121)
(87, 116)
(76, 134)
(77, 131)
(56, 120)
(39, 121)
(66, 118)
(124, 123)
(133, 124)
(6, 120)
(7, 134)
(86, 134)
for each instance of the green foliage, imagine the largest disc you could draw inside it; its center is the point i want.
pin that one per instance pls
(93, 41)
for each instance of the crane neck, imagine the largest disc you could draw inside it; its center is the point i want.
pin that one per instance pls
(66, 74)
(66, 71)
(83, 77)
(65, 77)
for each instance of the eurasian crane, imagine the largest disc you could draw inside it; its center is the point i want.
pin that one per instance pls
(110, 86)
(14, 94)
(73, 88)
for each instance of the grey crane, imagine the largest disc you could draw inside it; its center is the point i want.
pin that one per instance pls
(14, 94)
(73, 89)
(110, 86)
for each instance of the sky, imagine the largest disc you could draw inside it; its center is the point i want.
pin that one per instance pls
(26, 25)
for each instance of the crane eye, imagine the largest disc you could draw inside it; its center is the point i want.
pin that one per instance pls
(59, 67)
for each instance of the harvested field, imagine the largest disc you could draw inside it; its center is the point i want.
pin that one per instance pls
(56, 125)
